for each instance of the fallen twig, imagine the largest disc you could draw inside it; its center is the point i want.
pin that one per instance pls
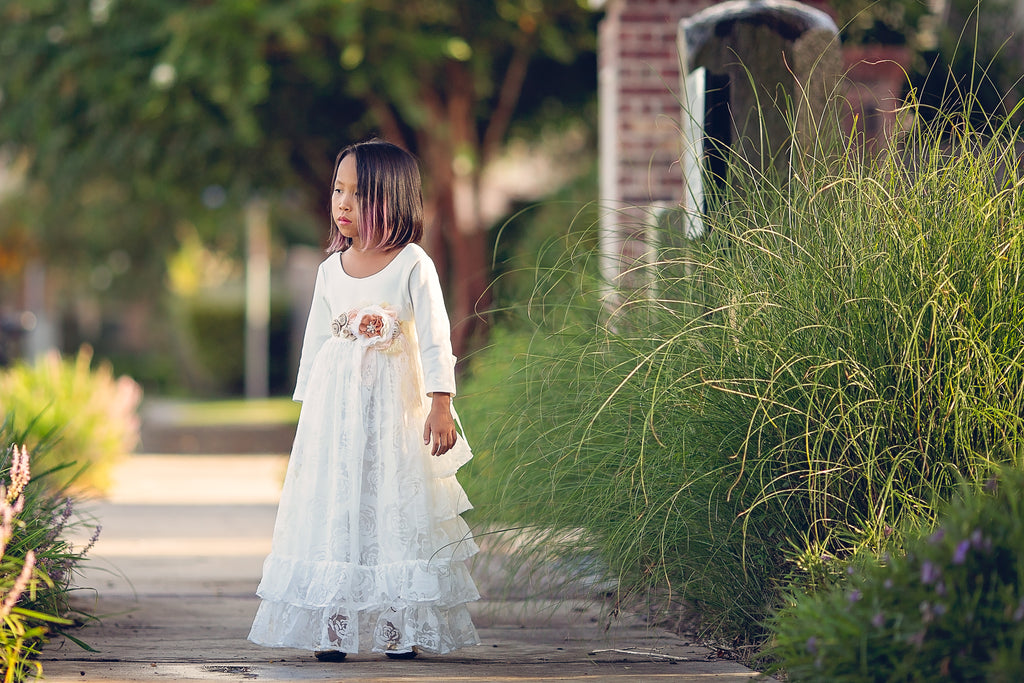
(642, 654)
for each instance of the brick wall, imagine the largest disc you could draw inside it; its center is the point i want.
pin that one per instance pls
(640, 109)
(639, 75)
(639, 50)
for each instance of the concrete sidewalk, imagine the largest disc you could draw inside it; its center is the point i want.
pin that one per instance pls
(179, 558)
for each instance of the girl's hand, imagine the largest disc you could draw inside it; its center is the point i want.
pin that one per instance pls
(440, 425)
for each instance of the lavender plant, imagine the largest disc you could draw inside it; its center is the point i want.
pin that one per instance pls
(36, 561)
(950, 608)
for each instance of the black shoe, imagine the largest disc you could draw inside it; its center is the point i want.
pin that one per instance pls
(329, 656)
(401, 655)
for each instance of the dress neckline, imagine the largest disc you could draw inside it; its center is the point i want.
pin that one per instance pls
(375, 274)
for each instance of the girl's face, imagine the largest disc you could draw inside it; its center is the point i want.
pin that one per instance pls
(344, 202)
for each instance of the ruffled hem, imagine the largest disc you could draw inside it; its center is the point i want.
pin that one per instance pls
(314, 585)
(433, 629)
(450, 499)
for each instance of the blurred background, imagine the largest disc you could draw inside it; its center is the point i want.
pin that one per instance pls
(164, 165)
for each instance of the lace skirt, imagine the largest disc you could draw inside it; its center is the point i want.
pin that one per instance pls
(369, 546)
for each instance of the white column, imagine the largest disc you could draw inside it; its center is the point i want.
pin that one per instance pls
(609, 229)
(257, 299)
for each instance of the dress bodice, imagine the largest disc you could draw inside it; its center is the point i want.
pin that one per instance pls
(408, 285)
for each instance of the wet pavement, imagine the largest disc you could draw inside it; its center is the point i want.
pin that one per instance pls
(179, 558)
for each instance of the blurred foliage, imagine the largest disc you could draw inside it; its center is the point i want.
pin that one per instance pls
(975, 62)
(536, 234)
(893, 22)
(87, 416)
(214, 329)
(136, 114)
(957, 47)
(133, 123)
(951, 608)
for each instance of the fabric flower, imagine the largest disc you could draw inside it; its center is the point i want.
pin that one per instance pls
(374, 327)
(342, 325)
(338, 324)
(377, 327)
(371, 325)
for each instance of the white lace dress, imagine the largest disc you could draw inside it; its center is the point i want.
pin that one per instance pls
(369, 546)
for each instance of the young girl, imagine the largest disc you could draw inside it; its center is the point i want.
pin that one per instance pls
(369, 546)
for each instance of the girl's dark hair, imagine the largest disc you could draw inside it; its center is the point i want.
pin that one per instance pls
(389, 196)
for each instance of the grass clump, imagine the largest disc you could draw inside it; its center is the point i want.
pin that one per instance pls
(36, 562)
(951, 608)
(86, 415)
(806, 383)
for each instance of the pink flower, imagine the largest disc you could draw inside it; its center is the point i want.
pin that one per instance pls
(375, 327)
(20, 473)
(20, 584)
(371, 325)
(8, 512)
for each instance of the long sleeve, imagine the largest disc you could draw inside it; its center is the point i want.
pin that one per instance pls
(318, 329)
(432, 328)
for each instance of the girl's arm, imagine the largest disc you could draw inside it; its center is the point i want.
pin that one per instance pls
(436, 357)
(318, 329)
(440, 426)
(432, 328)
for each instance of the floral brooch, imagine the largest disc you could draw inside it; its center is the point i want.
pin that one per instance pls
(373, 326)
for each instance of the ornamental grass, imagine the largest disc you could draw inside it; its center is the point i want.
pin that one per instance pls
(803, 385)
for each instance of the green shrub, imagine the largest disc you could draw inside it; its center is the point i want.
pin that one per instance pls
(952, 608)
(214, 328)
(819, 371)
(87, 416)
(36, 561)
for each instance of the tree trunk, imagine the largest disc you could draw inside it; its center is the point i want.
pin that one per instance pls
(454, 234)
(458, 245)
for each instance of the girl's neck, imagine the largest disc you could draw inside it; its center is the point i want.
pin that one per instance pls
(360, 262)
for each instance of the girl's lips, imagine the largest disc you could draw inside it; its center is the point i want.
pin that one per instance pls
(342, 219)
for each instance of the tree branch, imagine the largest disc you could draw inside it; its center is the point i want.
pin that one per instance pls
(508, 97)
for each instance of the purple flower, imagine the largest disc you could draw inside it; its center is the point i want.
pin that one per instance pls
(878, 621)
(938, 609)
(92, 540)
(887, 584)
(929, 572)
(960, 554)
(854, 595)
(1018, 614)
(812, 645)
(937, 536)
(976, 538)
(940, 588)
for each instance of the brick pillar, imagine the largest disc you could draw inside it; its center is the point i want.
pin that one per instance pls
(640, 144)
(640, 110)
